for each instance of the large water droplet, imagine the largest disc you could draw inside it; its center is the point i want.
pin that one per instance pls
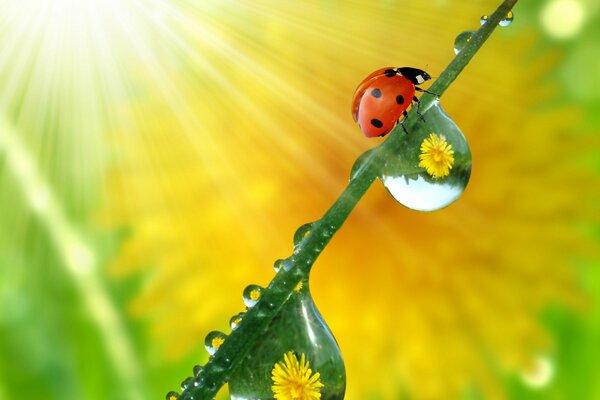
(297, 340)
(252, 295)
(461, 41)
(213, 341)
(433, 165)
(172, 395)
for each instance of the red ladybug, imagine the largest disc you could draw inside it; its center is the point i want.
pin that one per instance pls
(383, 97)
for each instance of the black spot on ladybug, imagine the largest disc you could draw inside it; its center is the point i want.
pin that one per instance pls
(399, 99)
(390, 73)
(376, 93)
(376, 123)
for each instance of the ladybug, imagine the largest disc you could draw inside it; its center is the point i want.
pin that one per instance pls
(383, 97)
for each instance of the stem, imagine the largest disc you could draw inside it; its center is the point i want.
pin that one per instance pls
(366, 169)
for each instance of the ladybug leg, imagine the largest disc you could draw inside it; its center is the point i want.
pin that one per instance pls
(405, 114)
(416, 100)
(418, 89)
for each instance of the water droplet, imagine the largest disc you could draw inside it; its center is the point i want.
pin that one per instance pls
(234, 322)
(186, 383)
(434, 164)
(213, 341)
(297, 332)
(172, 395)
(252, 295)
(507, 20)
(197, 370)
(286, 264)
(483, 19)
(461, 41)
(300, 235)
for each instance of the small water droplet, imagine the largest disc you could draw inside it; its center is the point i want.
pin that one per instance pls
(507, 20)
(461, 41)
(234, 322)
(197, 370)
(483, 19)
(286, 264)
(213, 341)
(172, 395)
(434, 167)
(252, 295)
(186, 383)
(301, 234)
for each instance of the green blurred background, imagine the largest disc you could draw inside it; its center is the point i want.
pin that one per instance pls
(156, 156)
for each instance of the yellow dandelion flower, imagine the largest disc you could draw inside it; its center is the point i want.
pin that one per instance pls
(430, 294)
(217, 342)
(294, 380)
(437, 156)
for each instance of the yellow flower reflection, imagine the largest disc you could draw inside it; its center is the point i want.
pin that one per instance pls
(436, 156)
(253, 138)
(294, 380)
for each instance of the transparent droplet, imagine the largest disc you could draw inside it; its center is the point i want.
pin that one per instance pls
(213, 341)
(507, 20)
(286, 264)
(483, 19)
(186, 383)
(301, 234)
(297, 332)
(461, 41)
(252, 295)
(234, 322)
(433, 164)
(197, 370)
(172, 395)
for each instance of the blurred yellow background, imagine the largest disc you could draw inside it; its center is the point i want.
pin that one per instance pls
(157, 156)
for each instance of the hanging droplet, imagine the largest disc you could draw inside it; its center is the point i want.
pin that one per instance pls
(296, 341)
(234, 322)
(286, 264)
(483, 19)
(301, 234)
(252, 295)
(197, 370)
(433, 165)
(461, 41)
(507, 20)
(213, 341)
(172, 395)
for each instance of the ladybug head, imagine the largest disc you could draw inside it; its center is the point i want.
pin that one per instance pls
(416, 76)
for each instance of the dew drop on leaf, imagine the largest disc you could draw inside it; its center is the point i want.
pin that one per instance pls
(461, 41)
(433, 166)
(197, 370)
(213, 341)
(298, 329)
(234, 322)
(252, 295)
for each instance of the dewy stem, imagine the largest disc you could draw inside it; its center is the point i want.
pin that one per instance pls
(217, 370)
